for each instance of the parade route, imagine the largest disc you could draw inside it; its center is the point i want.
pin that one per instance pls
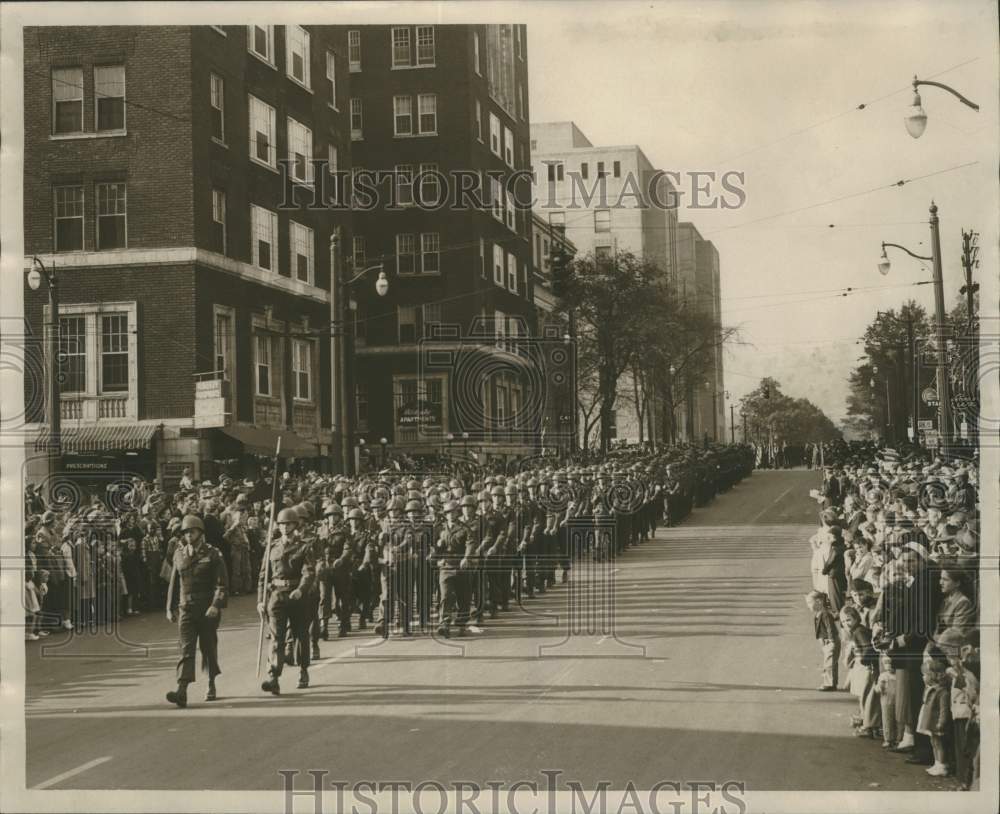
(708, 671)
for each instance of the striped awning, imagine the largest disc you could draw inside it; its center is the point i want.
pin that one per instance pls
(101, 438)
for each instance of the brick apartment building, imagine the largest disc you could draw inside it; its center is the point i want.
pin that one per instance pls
(153, 190)
(443, 352)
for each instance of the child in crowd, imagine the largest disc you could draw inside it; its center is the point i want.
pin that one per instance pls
(886, 689)
(935, 713)
(825, 626)
(861, 663)
(962, 661)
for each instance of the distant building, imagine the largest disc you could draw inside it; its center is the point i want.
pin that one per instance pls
(608, 200)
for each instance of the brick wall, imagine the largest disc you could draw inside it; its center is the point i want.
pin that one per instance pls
(153, 158)
(166, 329)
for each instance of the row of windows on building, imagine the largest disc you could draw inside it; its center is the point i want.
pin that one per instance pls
(557, 169)
(95, 336)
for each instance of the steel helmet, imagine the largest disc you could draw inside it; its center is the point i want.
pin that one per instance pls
(349, 501)
(397, 504)
(451, 506)
(510, 489)
(333, 509)
(414, 494)
(288, 515)
(455, 483)
(497, 491)
(192, 521)
(414, 506)
(469, 500)
(48, 517)
(355, 514)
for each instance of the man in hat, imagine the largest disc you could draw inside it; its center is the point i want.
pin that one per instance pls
(454, 549)
(198, 590)
(234, 520)
(283, 592)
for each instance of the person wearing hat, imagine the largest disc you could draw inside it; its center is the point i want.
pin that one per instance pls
(197, 591)
(234, 522)
(454, 549)
(336, 594)
(361, 539)
(283, 593)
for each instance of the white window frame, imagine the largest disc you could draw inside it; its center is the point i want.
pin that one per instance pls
(358, 251)
(97, 208)
(219, 213)
(496, 198)
(602, 221)
(479, 120)
(263, 341)
(500, 327)
(428, 175)
(354, 49)
(297, 43)
(229, 347)
(520, 102)
(508, 146)
(402, 108)
(331, 76)
(430, 315)
(406, 246)
(511, 218)
(64, 78)
(123, 336)
(404, 181)
(357, 110)
(302, 366)
(496, 135)
(424, 61)
(267, 58)
(82, 217)
(264, 111)
(98, 96)
(259, 218)
(81, 349)
(427, 100)
(430, 245)
(498, 265)
(476, 53)
(300, 135)
(511, 273)
(403, 34)
(406, 310)
(482, 258)
(217, 99)
(301, 241)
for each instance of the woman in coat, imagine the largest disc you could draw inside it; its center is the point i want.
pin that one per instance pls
(833, 569)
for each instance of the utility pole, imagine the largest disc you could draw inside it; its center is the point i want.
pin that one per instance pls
(970, 260)
(732, 424)
(945, 430)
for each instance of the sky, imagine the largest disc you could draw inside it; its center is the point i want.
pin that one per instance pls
(771, 89)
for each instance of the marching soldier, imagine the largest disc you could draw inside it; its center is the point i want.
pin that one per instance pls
(339, 555)
(197, 588)
(455, 547)
(284, 592)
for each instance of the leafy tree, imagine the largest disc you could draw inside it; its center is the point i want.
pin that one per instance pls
(776, 418)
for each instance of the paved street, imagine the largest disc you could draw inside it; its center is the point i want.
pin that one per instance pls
(710, 674)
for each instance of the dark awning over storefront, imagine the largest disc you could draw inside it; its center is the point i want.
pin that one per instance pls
(262, 441)
(102, 438)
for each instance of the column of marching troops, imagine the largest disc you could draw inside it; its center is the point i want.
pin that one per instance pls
(436, 555)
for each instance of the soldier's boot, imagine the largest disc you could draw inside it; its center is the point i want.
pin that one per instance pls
(179, 696)
(210, 694)
(270, 684)
(314, 651)
(303, 679)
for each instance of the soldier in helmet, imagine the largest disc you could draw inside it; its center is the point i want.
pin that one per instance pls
(284, 591)
(197, 590)
(470, 574)
(362, 545)
(454, 549)
(340, 556)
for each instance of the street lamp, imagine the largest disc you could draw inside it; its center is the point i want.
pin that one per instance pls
(384, 442)
(341, 357)
(944, 398)
(916, 118)
(570, 339)
(36, 276)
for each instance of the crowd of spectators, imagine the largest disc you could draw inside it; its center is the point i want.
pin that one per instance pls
(895, 574)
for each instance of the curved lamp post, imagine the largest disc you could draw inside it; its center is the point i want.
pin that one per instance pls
(36, 277)
(944, 397)
(916, 118)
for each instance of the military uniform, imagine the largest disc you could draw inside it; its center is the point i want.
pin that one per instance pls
(198, 581)
(455, 546)
(285, 587)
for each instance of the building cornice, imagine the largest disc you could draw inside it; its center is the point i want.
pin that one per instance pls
(178, 256)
